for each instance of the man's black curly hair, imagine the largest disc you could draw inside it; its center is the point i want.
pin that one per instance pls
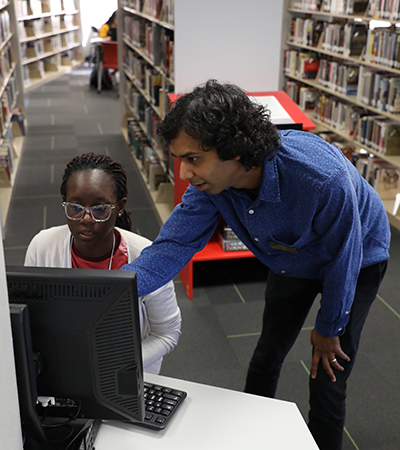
(222, 117)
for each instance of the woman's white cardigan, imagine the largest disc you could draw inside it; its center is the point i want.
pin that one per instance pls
(160, 317)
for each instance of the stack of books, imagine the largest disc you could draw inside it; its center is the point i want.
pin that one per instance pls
(339, 77)
(380, 90)
(228, 239)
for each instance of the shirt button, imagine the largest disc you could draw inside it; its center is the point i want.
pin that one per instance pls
(283, 271)
(256, 239)
(251, 211)
(347, 312)
(340, 329)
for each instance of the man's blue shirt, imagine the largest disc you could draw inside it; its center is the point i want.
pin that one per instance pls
(315, 217)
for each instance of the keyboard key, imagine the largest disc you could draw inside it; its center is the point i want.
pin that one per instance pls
(161, 402)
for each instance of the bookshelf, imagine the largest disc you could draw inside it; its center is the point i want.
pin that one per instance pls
(147, 77)
(50, 39)
(12, 105)
(342, 66)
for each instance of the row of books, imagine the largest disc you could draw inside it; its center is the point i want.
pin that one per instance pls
(332, 6)
(145, 77)
(136, 66)
(143, 112)
(162, 10)
(6, 61)
(380, 133)
(36, 7)
(302, 64)
(380, 90)
(5, 29)
(38, 69)
(339, 77)
(135, 30)
(335, 75)
(167, 52)
(14, 128)
(7, 157)
(36, 48)
(384, 9)
(339, 115)
(306, 97)
(153, 8)
(305, 31)
(7, 100)
(383, 47)
(154, 42)
(38, 27)
(376, 132)
(142, 150)
(348, 39)
(345, 6)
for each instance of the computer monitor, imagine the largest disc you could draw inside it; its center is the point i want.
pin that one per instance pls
(77, 340)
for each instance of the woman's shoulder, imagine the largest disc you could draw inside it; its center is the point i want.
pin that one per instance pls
(53, 233)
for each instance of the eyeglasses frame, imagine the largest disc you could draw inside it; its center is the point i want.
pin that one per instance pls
(87, 210)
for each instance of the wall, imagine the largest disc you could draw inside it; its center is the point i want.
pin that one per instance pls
(10, 432)
(230, 40)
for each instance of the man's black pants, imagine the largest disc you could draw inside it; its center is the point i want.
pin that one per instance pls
(287, 302)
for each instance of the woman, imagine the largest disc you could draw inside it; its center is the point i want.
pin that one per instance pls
(98, 236)
(110, 27)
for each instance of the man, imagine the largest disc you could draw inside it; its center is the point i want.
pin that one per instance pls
(303, 209)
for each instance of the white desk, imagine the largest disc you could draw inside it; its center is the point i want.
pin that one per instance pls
(215, 419)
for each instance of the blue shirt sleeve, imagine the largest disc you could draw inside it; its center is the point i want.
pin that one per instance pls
(338, 225)
(185, 232)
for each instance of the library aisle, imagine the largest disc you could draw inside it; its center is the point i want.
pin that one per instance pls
(222, 323)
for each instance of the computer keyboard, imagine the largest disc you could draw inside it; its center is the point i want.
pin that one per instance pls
(161, 403)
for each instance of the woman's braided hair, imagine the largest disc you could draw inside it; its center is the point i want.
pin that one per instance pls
(90, 161)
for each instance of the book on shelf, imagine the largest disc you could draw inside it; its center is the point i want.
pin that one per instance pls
(383, 9)
(383, 47)
(21, 8)
(18, 119)
(292, 88)
(306, 31)
(307, 5)
(345, 6)
(379, 133)
(228, 240)
(308, 65)
(136, 137)
(308, 98)
(229, 245)
(156, 175)
(5, 29)
(355, 38)
(34, 7)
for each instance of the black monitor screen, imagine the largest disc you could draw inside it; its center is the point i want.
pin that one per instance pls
(85, 338)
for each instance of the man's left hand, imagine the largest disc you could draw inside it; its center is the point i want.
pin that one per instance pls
(326, 349)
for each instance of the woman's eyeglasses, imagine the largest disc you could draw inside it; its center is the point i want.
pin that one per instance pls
(99, 213)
